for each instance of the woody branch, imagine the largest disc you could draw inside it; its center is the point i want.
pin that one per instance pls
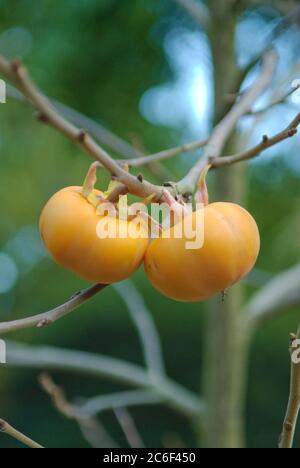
(48, 113)
(6, 428)
(290, 420)
(15, 72)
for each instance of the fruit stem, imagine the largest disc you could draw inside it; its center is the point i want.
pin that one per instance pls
(173, 203)
(177, 210)
(201, 195)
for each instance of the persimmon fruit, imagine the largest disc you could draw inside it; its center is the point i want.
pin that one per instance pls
(230, 250)
(68, 227)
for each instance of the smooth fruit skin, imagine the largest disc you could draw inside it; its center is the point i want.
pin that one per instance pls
(68, 228)
(230, 250)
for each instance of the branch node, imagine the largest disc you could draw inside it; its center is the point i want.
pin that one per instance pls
(140, 178)
(44, 323)
(82, 134)
(3, 425)
(288, 426)
(265, 138)
(292, 132)
(41, 117)
(76, 294)
(16, 65)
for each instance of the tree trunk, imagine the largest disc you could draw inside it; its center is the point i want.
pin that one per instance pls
(226, 356)
(226, 343)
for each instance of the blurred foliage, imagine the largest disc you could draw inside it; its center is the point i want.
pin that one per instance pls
(100, 58)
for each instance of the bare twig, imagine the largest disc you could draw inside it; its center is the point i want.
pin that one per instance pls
(97, 436)
(267, 142)
(142, 318)
(129, 428)
(166, 154)
(222, 131)
(281, 293)
(275, 102)
(135, 157)
(101, 133)
(16, 72)
(176, 396)
(92, 430)
(51, 316)
(59, 400)
(96, 405)
(290, 421)
(12, 432)
(85, 413)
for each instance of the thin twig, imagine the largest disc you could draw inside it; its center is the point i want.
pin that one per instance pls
(16, 72)
(12, 432)
(129, 428)
(97, 436)
(267, 142)
(166, 154)
(224, 129)
(142, 318)
(176, 396)
(279, 294)
(135, 157)
(101, 133)
(93, 406)
(276, 102)
(290, 421)
(92, 430)
(51, 316)
(59, 400)
(85, 413)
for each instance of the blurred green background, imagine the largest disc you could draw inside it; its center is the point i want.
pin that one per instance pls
(142, 69)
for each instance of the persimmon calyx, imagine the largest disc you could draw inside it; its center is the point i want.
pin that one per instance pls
(177, 210)
(90, 180)
(201, 196)
(138, 211)
(95, 200)
(89, 185)
(114, 188)
(149, 199)
(178, 207)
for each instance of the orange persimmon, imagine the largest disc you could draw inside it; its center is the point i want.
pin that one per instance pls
(230, 250)
(68, 227)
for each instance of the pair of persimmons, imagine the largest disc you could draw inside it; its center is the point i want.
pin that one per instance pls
(68, 227)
